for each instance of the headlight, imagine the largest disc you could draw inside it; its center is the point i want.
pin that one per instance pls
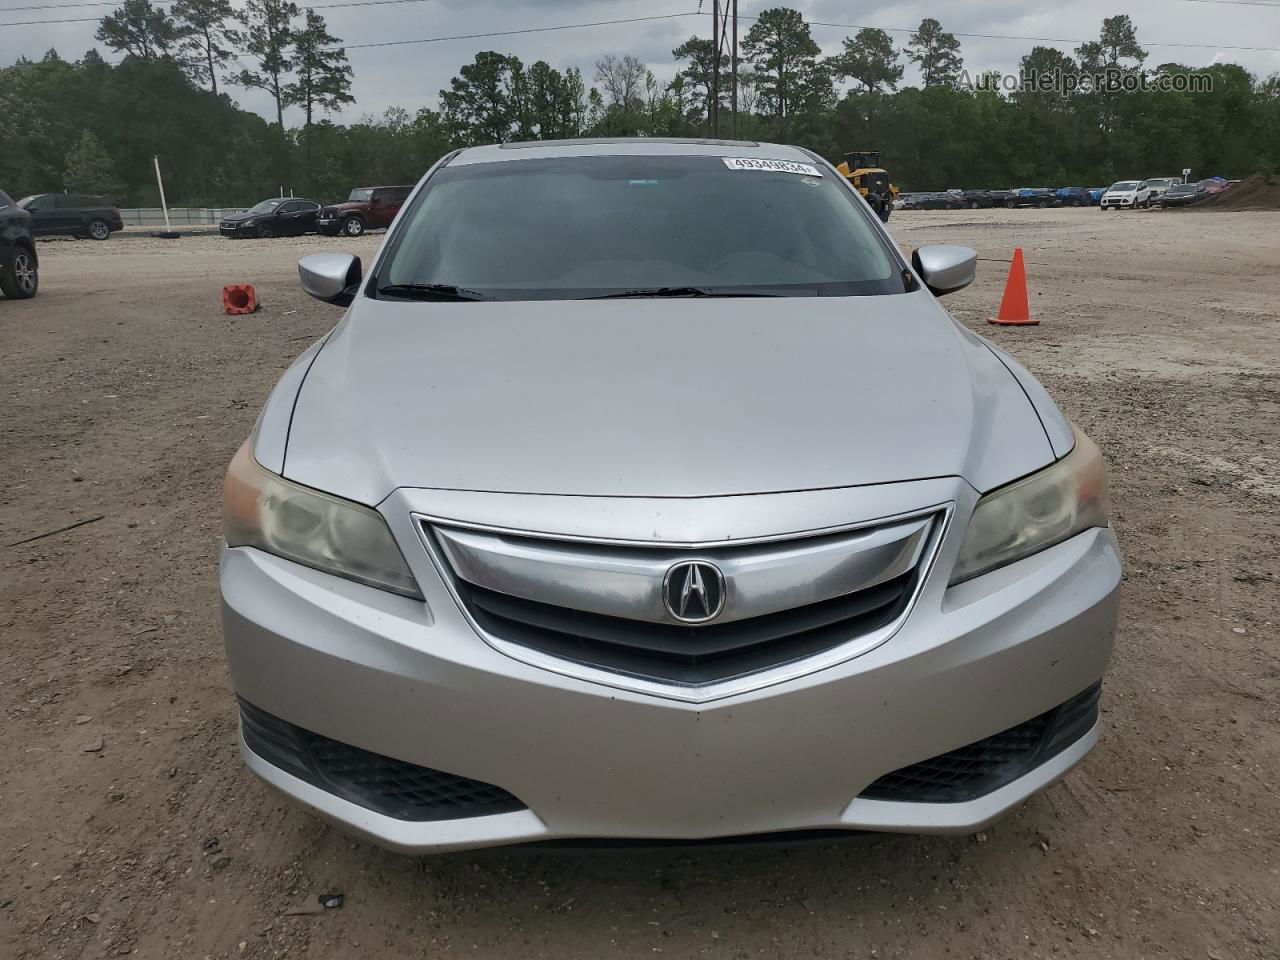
(263, 510)
(247, 223)
(1045, 508)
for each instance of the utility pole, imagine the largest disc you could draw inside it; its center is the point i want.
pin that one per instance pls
(733, 67)
(713, 114)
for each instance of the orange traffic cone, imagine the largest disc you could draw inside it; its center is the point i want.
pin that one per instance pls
(1015, 310)
(239, 298)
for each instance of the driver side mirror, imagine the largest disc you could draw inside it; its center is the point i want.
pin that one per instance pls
(331, 277)
(945, 268)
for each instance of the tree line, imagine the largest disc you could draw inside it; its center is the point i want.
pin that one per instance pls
(91, 126)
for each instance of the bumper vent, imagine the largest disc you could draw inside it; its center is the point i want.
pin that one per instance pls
(390, 787)
(980, 768)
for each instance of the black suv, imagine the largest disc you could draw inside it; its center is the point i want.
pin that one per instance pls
(19, 270)
(71, 214)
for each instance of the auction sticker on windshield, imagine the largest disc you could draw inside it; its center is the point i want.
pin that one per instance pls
(776, 166)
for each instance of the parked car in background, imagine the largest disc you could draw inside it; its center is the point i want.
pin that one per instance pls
(367, 208)
(1160, 185)
(19, 266)
(485, 580)
(1002, 198)
(72, 215)
(910, 201)
(1127, 195)
(1183, 195)
(977, 199)
(1095, 195)
(1073, 197)
(278, 217)
(1034, 197)
(1214, 185)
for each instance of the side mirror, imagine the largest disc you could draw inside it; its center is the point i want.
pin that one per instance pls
(331, 277)
(945, 268)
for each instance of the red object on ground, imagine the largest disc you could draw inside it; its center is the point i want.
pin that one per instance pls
(239, 298)
(1015, 309)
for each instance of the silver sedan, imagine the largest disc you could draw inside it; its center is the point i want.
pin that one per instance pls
(646, 491)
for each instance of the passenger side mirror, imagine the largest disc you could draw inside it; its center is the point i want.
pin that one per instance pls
(945, 268)
(331, 277)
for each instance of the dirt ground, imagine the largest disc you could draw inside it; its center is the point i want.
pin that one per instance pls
(131, 828)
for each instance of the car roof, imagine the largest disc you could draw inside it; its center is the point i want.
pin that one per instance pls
(629, 147)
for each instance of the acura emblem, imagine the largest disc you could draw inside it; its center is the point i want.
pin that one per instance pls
(693, 591)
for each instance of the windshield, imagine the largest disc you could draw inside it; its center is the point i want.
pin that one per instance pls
(25, 200)
(576, 227)
(360, 195)
(1125, 185)
(1182, 188)
(1159, 183)
(266, 206)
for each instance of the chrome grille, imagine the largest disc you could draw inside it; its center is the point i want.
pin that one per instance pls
(603, 605)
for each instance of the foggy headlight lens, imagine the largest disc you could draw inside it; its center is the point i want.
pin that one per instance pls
(263, 510)
(1026, 517)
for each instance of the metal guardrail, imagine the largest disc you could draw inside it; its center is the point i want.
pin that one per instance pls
(178, 216)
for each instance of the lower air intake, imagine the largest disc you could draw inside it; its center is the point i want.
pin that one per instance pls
(980, 768)
(391, 787)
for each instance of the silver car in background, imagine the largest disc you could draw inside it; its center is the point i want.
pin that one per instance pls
(646, 491)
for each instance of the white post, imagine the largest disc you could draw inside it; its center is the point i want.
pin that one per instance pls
(163, 206)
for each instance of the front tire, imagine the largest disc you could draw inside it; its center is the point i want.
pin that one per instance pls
(353, 227)
(265, 232)
(19, 274)
(98, 229)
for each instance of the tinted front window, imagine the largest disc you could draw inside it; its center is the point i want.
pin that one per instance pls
(589, 226)
(266, 206)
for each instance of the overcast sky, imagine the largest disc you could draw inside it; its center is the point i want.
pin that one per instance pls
(412, 75)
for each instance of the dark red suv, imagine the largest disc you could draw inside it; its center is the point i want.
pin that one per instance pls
(368, 208)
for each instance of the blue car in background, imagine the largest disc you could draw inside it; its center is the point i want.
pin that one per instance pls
(1075, 197)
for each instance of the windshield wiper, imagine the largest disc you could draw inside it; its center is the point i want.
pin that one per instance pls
(682, 292)
(430, 291)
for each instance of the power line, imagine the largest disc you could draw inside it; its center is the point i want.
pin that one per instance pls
(316, 6)
(1000, 36)
(674, 16)
(511, 33)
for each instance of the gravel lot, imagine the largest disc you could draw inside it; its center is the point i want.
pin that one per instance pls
(130, 826)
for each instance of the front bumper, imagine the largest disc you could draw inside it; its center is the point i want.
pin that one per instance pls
(414, 681)
(329, 227)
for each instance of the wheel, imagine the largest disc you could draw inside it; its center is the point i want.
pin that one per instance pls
(353, 227)
(886, 211)
(265, 232)
(1009, 204)
(19, 274)
(974, 205)
(98, 229)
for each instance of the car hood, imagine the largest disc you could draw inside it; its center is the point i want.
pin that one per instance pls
(242, 217)
(657, 398)
(346, 206)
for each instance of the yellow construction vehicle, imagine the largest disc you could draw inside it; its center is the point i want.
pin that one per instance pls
(863, 169)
